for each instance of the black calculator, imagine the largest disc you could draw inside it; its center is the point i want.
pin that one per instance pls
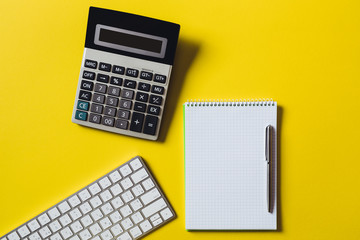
(125, 73)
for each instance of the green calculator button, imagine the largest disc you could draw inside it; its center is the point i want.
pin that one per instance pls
(81, 115)
(83, 105)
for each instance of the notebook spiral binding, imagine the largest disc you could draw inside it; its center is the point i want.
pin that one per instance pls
(231, 103)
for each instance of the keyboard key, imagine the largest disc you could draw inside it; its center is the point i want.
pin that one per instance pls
(108, 121)
(157, 89)
(122, 124)
(90, 64)
(66, 233)
(105, 182)
(83, 105)
(146, 75)
(106, 196)
(85, 95)
(65, 220)
(94, 118)
(85, 208)
(64, 207)
(95, 229)
(140, 107)
(34, 236)
(116, 81)
(125, 104)
(115, 176)
(125, 211)
(118, 69)
(135, 232)
(136, 204)
(74, 201)
(160, 78)
(89, 75)
(75, 214)
(153, 207)
(123, 114)
(129, 84)
(107, 208)
(86, 85)
(153, 110)
(76, 227)
(85, 235)
(86, 221)
(124, 236)
(115, 217)
(142, 97)
(117, 202)
(106, 235)
(157, 221)
(100, 88)
(139, 175)
(99, 98)
(155, 99)
(94, 189)
(127, 196)
(45, 232)
(148, 184)
(53, 213)
(137, 217)
(166, 214)
(112, 101)
(23, 231)
(104, 67)
(116, 189)
(145, 226)
(84, 195)
(105, 223)
(102, 78)
(43, 219)
(144, 87)
(150, 125)
(132, 72)
(96, 108)
(115, 91)
(109, 111)
(125, 170)
(135, 164)
(127, 223)
(116, 230)
(127, 94)
(81, 115)
(126, 183)
(137, 122)
(150, 196)
(137, 190)
(55, 226)
(97, 214)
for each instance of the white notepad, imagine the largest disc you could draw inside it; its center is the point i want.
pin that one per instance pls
(225, 167)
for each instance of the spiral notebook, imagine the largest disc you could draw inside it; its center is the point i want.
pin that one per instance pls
(225, 167)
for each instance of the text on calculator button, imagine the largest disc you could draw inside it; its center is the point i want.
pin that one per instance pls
(90, 64)
(132, 72)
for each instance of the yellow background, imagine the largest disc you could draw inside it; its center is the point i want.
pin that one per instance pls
(304, 54)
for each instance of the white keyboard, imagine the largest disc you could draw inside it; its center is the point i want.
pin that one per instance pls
(125, 204)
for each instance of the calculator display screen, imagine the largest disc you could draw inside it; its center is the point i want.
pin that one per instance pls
(130, 41)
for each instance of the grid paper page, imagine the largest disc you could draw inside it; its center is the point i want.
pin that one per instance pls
(225, 167)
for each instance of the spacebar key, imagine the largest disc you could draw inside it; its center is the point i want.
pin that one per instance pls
(154, 207)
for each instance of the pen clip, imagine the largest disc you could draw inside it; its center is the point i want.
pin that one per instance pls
(267, 142)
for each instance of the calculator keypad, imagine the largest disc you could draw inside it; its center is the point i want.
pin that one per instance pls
(129, 102)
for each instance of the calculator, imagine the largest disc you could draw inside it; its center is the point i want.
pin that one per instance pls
(125, 73)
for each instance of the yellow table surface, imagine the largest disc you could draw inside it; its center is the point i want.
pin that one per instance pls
(303, 54)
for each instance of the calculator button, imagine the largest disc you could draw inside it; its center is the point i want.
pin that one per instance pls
(85, 95)
(98, 98)
(90, 64)
(142, 97)
(123, 114)
(81, 115)
(125, 104)
(150, 125)
(89, 75)
(101, 88)
(157, 89)
(122, 124)
(140, 107)
(127, 94)
(115, 91)
(160, 78)
(155, 99)
(118, 69)
(112, 101)
(146, 75)
(130, 84)
(132, 72)
(116, 81)
(94, 118)
(108, 121)
(153, 110)
(144, 87)
(105, 67)
(137, 122)
(83, 105)
(110, 111)
(102, 78)
(86, 85)
(96, 108)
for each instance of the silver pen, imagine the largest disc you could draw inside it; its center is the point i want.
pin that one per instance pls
(268, 156)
